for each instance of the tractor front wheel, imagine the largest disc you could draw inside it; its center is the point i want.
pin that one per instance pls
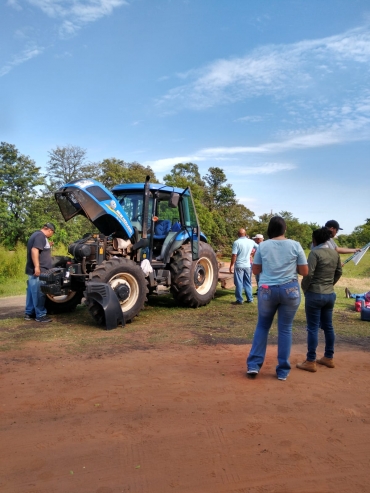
(128, 282)
(194, 282)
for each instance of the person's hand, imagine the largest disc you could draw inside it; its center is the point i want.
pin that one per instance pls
(231, 270)
(357, 250)
(37, 271)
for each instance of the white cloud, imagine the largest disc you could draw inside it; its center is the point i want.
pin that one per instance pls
(264, 169)
(73, 14)
(246, 200)
(251, 118)
(345, 130)
(165, 164)
(274, 70)
(14, 4)
(26, 55)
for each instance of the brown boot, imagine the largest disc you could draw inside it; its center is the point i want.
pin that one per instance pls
(329, 362)
(307, 365)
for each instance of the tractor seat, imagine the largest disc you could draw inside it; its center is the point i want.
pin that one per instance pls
(162, 227)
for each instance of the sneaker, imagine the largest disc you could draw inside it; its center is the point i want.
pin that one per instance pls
(307, 365)
(329, 362)
(236, 302)
(45, 319)
(348, 293)
(282, 379)
(249, 301)
(29, 317)
(252, 373)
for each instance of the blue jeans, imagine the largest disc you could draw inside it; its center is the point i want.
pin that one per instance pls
(319, 313)
(242, 280)
(283, 299)
(361, 296)
(35, 299)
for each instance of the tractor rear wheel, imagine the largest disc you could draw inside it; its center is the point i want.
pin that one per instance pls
(65, 302)
(194, 282)
(128, 282)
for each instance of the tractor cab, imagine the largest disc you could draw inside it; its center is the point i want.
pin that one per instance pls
(170, 219)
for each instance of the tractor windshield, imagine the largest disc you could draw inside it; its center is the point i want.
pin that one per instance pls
(68, 205)
(132, 204)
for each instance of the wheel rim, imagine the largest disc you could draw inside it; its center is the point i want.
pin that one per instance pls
(63, 298)
(131, 283)
(203, 275)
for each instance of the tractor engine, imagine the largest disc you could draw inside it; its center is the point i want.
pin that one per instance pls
(93, 249)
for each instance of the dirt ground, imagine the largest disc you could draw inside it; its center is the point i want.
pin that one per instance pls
(181, 419)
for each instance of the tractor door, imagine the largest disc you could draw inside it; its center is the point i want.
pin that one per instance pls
(190, 221)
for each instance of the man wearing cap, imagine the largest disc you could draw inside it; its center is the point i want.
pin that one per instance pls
(240, 258)
(257, 239)
(38, 260)
(333, 226)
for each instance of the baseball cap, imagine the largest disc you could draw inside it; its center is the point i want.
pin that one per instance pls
(258, 237)
(332, 224)
(50, 226)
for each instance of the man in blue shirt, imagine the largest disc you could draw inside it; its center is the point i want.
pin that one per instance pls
(241, 266)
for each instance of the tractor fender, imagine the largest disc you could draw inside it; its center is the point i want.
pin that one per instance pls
(103, 294)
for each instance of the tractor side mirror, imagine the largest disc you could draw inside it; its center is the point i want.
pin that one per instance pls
(174, 200)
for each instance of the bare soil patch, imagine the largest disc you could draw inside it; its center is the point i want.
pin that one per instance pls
(181, 419)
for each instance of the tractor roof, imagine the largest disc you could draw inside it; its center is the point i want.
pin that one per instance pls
(125, 187)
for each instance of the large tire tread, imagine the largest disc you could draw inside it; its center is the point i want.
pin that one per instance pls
(182, 267)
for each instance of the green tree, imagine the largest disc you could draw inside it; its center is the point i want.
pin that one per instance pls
(359, 237)
(66, 164)
(114, 171)
(19, 179)
(218, 193)
(184, 175)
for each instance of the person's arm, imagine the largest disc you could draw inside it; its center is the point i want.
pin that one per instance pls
(35, 255)
(256, 269)
(311, 266)
(233, 260)
(302, 267)
(347, 250)
(338, 271)
(302, 270)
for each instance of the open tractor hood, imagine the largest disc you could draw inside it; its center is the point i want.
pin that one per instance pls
(92, 200)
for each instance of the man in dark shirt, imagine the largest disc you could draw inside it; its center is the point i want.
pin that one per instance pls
(38, 260)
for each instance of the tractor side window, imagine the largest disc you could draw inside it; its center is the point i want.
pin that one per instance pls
(190, 216)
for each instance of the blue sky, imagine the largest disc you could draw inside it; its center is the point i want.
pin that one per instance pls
(275, 92)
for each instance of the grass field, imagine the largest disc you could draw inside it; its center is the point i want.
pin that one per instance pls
(162, 322)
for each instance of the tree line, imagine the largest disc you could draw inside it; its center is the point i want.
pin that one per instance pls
(27, 198)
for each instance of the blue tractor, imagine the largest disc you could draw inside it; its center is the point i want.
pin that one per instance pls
(148, 236)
